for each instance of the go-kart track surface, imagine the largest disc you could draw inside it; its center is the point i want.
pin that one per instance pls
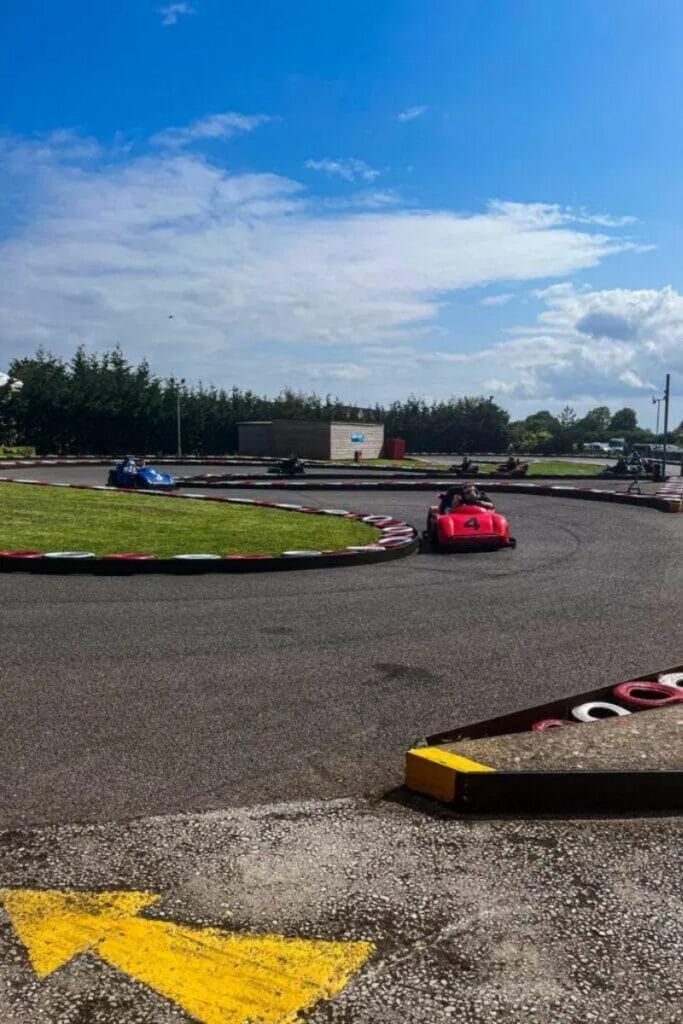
(134, 696)
(286, 702)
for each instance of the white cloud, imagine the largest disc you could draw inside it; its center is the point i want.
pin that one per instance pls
(349, 170)
(586, 345)
(214, 126)
(337, 372)
(498, 300)
(171, 13)
(411, 113)
(255, 270)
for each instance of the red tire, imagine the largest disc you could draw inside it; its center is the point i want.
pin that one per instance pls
(21, 554)
(129, 556)
(550, 723)
(640, 696)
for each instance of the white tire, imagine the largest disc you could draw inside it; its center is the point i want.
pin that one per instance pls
(70, 554)
(595, 710)
(195, 558)
(673, 679)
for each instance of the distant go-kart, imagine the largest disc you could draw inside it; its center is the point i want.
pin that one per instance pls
(519, 469)
(129, 473)
(468, 528)
(465, 469)
(288, 467)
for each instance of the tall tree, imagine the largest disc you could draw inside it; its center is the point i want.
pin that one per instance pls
(624, 421)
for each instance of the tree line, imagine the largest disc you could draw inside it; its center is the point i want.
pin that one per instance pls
(102, 404)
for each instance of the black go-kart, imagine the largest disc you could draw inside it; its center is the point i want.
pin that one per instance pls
(288, 468)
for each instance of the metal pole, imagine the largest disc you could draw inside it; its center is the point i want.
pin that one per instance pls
(667, 391)
(657, 400)
(180, 447)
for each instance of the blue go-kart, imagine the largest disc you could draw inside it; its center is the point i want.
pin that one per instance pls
(131, 474)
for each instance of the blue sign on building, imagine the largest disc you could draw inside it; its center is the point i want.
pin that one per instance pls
(357, 438)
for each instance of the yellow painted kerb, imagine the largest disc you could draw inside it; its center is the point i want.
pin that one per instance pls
(434, 771)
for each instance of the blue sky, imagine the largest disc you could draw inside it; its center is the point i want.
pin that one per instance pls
(365, 199)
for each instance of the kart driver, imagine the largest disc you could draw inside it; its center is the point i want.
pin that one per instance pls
(463, 494)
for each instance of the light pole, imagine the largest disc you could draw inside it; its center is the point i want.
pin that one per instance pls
(657, 402)
(180, 446)
(667, 393)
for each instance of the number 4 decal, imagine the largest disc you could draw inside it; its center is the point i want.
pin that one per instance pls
(472, 524)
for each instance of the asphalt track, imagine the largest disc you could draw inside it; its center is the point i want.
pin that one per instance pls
(125, 697)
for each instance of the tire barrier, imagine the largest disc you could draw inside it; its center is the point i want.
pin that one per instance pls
(396, 540)
(639, 696)
(595, 710)
(352, 470)
(673, 679)
(499, 777)
(669, 501)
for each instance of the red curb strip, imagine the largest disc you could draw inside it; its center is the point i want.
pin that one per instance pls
(397, 539)
(663, 500)
(354, 470)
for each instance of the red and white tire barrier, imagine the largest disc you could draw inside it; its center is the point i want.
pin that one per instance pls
(597, 710)
(397, 538)
(669, 502)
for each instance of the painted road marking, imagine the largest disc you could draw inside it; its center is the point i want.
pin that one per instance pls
(218, 977)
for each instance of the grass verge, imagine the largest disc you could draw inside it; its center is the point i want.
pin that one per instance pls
(59, 519)
(387, 463)
(551, 468)
(548, 467)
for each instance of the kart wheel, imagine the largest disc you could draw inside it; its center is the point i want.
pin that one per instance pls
(512, 542)
(111, 479)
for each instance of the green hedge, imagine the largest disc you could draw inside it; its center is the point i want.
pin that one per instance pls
(21, 452)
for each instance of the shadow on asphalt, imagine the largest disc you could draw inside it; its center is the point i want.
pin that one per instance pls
(441, 812)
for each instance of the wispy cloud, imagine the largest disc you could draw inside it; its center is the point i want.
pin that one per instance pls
(498, 300)
(349, 170)
(171, 13)
(214, 126)
(260, 275)
(411, 113)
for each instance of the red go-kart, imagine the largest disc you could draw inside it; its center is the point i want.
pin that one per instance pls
(468, 528)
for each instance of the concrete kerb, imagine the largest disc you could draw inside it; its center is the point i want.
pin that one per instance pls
(397, 539)
(541, 759)
(668, 499)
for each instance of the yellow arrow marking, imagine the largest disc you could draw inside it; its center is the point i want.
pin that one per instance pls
(218, 977)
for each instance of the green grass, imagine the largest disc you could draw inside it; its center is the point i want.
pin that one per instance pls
(60, 519)
(398, 463)
(545, 468)
(575, 468)
(550, 467)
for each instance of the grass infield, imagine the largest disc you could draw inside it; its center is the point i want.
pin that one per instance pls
(60, 519)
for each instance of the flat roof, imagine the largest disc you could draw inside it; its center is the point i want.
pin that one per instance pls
(336, 423)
